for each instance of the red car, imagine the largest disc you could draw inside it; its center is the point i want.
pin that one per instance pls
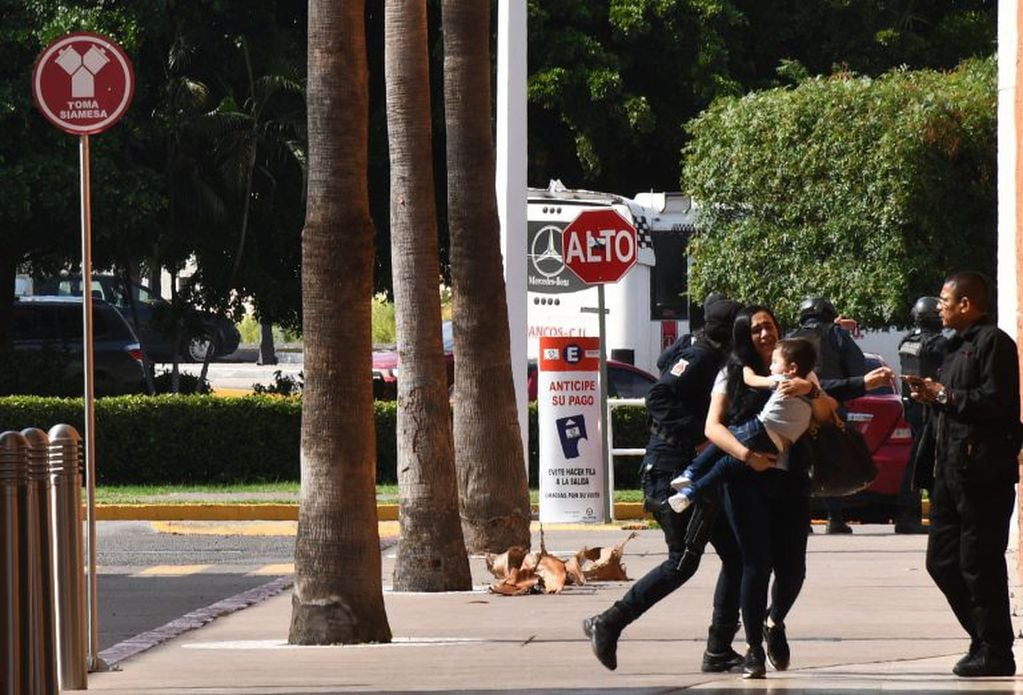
(386, 367)
(879, 417)
(626, 381)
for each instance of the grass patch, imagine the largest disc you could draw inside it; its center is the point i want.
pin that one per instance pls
(261, 493)
(269, 493)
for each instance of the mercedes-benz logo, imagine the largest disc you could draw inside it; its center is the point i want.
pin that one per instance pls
(545, 252)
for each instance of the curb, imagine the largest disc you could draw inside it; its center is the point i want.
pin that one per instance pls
(623, 511)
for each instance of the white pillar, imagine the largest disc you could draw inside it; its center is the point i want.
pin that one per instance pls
(1008, 147)
(511, 186)
(1008, 47)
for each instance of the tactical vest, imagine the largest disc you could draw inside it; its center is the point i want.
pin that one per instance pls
(916, 359)
(829, 359)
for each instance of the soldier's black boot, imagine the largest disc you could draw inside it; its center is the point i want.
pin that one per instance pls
(719, 655)
(603, 631)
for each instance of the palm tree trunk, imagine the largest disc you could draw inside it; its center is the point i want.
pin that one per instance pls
(338, 596)
(431, 556)
(267, 352)
(492, 484)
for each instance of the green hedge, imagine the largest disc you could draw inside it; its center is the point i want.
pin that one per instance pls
(864, 190)
(191, 440)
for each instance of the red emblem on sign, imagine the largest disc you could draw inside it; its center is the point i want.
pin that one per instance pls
(83, 83)
(599, 246)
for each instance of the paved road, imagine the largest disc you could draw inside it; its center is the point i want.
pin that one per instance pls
(239, 375)
(148, 577)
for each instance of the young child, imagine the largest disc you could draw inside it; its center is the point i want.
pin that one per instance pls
(781, 421)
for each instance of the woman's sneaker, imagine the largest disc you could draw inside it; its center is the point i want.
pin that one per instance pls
(777, 646)
(680, 502)
(755, 665)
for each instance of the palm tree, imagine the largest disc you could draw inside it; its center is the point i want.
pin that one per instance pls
(431, 556)
(492, 484)
(338, 596)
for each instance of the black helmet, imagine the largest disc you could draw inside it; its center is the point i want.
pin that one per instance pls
(817, 308)
(925, 313)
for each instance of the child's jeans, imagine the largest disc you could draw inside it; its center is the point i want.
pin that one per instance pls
(713, 467)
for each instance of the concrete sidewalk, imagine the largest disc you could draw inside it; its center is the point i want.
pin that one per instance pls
(869, 620)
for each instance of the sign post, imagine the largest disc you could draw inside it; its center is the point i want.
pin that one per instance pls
(600, 246)
(83, 83)
(568, 408)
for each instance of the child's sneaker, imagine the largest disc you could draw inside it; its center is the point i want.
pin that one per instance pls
(681, 501)
(685, 479)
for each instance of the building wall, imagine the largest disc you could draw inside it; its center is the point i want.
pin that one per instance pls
(1010, 195)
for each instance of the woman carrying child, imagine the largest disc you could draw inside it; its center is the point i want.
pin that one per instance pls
(772, 431)
(767, 505)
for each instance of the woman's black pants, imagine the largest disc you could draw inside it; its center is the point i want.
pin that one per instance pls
(770, 514)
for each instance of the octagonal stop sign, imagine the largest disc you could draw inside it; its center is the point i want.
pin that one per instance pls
(599, 246)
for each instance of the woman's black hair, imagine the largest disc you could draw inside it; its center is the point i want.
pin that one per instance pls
(744, 402)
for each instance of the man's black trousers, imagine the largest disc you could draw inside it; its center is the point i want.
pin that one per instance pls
(966, 553)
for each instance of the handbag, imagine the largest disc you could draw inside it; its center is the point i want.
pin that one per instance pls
(836, 457)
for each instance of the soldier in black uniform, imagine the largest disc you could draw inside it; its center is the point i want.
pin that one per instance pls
(921, 353)
(677, 409)
(838, 357)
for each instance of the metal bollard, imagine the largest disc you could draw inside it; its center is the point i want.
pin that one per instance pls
(37, 531)
(13, 465)
(65, 460)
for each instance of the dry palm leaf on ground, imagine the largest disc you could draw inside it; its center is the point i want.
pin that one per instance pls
(520, 572)
(603, 564)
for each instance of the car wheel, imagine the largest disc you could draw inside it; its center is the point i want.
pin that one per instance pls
(197, 348)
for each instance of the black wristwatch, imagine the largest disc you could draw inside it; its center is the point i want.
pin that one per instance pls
(815, 392)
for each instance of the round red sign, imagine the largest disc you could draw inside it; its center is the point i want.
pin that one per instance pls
(599, 246)
(83, 83)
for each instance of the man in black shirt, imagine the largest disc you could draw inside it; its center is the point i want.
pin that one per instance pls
(976, 435)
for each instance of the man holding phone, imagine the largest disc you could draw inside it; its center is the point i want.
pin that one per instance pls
(976, 438)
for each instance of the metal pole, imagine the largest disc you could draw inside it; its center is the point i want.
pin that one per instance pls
(605, 444)
(13, 678)
(37, 531)
(95, 663)
(64, 460)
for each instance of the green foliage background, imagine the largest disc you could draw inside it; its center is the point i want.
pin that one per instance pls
(196, 440)
(611, 82)
(867, 191)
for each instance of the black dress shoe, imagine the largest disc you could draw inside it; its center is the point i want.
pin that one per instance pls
(987, 662)
(971, 654)
(777, 646)
(755, 665)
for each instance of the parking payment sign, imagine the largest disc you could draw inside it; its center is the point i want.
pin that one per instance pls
(568, 408)
(83, 83)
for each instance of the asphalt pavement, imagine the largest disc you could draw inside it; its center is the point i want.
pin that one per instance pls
(235, 374)
(869, 620)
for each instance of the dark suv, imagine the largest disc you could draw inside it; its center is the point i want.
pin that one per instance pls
(156, 332)
(47, 357)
